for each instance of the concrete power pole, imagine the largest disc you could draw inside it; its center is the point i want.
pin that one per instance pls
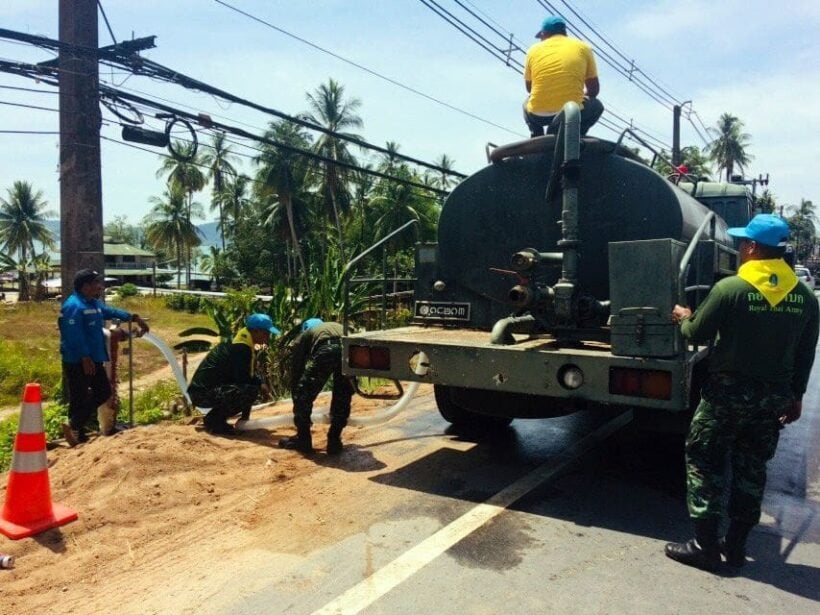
(81, 227)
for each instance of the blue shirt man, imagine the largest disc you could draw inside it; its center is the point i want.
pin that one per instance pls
(83, 350)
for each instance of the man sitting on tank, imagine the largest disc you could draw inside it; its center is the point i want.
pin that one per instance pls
(559, 69)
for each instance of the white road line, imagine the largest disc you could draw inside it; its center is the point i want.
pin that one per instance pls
(406, 565)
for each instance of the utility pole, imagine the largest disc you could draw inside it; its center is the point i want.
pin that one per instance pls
(81, 226)
(676, 135)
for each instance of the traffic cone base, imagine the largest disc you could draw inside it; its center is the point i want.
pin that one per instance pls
(60, 515)
(28, 509)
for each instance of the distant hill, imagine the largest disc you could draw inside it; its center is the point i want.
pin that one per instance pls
(209, 232)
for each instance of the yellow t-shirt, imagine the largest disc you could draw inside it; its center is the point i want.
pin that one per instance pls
(557, 68)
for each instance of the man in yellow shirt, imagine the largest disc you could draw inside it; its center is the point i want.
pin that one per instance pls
(559, 69)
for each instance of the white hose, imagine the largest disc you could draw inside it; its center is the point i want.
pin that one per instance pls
(172, 361)
(421, 369)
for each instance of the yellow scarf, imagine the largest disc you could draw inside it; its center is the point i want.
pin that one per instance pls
(243, 336)
(772, 277)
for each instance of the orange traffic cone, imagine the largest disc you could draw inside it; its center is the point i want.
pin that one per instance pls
(28, 509)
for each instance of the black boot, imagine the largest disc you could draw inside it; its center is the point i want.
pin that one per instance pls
(302, 441)
(733, 546)
(702, 551)
(334, 440)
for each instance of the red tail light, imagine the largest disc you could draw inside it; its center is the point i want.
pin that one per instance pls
(649, 383)
(369, 357)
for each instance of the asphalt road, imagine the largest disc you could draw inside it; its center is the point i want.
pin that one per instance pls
(528, 522)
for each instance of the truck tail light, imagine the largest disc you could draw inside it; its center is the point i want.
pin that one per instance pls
(369, 357)
(649, 383)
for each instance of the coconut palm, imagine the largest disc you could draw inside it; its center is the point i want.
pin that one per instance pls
(219, 159)
(444, 180)
(22, 222)
(234, 199)
(282, 178)
(330, 109)
(766, 202)
(186, 172)
(729, 147)
(803, 227)
(169, 223)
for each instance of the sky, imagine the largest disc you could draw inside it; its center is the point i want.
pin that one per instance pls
(738, 56)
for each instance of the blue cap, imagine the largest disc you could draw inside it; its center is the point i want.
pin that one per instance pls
(765, 229)
(552, 25)
(310, 323)
(261, 321)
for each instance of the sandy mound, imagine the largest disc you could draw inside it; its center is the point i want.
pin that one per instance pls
(168, 489)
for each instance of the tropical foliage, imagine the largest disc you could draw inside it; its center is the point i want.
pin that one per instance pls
(23, 215)
(803, 223)
(730, 145)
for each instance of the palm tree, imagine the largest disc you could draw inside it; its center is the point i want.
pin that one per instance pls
(219, 162)
(22, 222)
(444, 180)
(766, 202)
(282, 179)
(214, 263)
(803, 227)
(186, 172)
(729, 147)
(169, 223)
(234, 199)
(331, 110)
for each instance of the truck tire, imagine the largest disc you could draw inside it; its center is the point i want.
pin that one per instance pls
(462, 418)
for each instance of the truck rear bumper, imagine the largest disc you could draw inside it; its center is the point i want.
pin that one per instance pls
(532, 366)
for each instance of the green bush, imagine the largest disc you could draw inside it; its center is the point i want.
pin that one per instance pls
(127, 290)
(153, 404)
(19, 366)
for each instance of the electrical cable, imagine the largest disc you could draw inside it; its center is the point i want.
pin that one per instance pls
(30, 132)
(107, 25)
(459, 25)
(144, 66)
(26, 106)
(105, 90)
(617, 51)
(628, 72)
(369, 70)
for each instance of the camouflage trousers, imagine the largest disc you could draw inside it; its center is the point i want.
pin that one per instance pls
(225, 401)
(326, 361)
(739, 418)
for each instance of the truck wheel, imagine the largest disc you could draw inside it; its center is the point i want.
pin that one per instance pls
(461, 417)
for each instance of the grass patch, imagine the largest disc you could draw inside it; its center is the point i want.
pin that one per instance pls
(30, 343)
(150, 406)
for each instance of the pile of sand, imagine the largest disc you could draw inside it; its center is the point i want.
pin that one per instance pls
(159, 489)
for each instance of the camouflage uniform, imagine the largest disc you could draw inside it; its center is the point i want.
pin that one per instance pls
(225, 401)
(739, 415)
(325, 359)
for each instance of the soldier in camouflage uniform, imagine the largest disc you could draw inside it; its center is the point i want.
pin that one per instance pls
(766, 324)
(317, 356)
(226, 380)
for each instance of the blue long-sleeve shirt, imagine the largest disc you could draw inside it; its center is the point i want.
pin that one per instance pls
(81, 328)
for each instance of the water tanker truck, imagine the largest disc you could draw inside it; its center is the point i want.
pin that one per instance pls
(550, 288)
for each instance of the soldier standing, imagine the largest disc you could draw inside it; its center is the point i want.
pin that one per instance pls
(317, 355)
(766, 324)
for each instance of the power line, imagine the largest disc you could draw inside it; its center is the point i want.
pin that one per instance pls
(30, 132)
(628, 72)
(611, 125)
(26, 106)
(368, 70)
(35, 90)
(109, 91)
(616, 50)
(468, 31)
(150, 68)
